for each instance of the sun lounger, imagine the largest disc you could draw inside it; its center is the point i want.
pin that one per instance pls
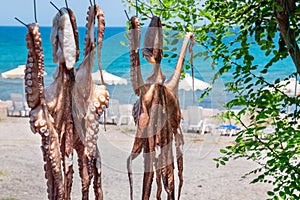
(125, 114)
(19, 108)
(184, 121)
(195, 118)
(113, 112)
(228, 129)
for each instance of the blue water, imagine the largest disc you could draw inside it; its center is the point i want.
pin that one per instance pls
(115, 59)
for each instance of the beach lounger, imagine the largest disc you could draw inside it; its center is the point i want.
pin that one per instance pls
(19, 108)
(228, 129)
(195, 118)
(184, 121)
(113, 112)
(125, 111)
(210, 120)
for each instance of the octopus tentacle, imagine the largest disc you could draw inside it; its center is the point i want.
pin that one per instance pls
(179, 156)
(40, 119)
(98, 104)
(136, 150)
(101, 28)
(67, 145)
(158, 177)
(173, 81)
(97, 177)
(135, 65)
(90, 25)
(174, 117)
(35, 67)
(84, 173)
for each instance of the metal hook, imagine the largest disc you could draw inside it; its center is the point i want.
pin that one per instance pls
(136, 8)
(55, 7)
(66, 2)
(20, 21)
(151, 12)
(91, 3)
(34, 6)
(127, 15)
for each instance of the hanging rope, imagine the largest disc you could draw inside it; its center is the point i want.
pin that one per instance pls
(34, 7)
(55, 7)
(66, 2)
(136, 8)
(20, 21)
(127, 15)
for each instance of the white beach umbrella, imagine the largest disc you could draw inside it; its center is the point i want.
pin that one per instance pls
(15, 73)
(186, 84)
(109, 78)
(290, 87)
(18, 72)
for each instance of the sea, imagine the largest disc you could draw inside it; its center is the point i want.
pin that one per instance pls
(115, 60)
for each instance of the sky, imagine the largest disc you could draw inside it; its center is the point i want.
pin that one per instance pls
(23, 9)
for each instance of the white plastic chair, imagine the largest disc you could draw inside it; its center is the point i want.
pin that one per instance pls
(210, 121)
(125, 114)
(18, 106)
(195, 118)
(184, 123)
(113, 111)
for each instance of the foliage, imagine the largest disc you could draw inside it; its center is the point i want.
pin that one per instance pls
(228, 29)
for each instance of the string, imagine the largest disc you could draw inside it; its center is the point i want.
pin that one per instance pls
(66, 2)
(34, 6)
(127, 15)
(136, 7)
(55, 7)
(20, 21)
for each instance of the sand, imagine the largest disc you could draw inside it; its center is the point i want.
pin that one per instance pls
(22, 175)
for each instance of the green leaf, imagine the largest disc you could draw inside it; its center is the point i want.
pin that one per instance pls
(270, 193)
(175, 41)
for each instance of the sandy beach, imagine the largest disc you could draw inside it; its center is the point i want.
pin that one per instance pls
(22, 175)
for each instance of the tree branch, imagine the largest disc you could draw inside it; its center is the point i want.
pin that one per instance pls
(287, 33)
(146, 14)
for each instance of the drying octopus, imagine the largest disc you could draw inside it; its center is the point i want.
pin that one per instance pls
(157, 112)
(66, 113)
